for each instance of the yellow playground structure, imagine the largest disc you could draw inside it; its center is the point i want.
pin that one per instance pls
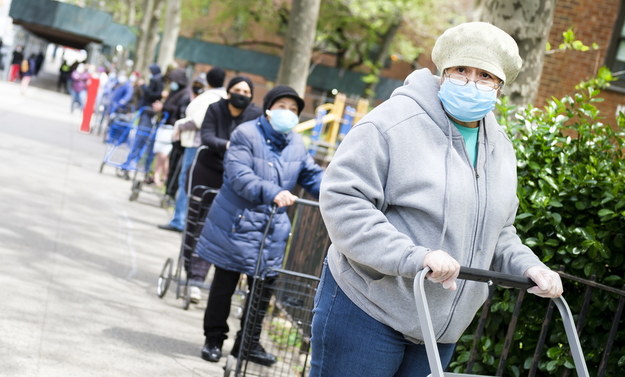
(331, 123)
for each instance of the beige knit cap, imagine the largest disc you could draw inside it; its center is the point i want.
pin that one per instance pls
(479, 45)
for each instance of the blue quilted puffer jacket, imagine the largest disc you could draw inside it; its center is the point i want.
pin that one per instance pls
(255, 171)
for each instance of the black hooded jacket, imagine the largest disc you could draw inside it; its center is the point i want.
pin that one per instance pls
(177, 102)
(217, 127)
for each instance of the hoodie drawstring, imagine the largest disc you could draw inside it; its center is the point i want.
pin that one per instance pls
(446, 194)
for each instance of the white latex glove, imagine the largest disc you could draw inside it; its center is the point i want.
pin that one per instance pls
(445, 268)
(548, 283)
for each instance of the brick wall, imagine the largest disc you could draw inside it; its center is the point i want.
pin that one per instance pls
(592, 21)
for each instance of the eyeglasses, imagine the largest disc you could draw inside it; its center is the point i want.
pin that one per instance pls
(481, 85)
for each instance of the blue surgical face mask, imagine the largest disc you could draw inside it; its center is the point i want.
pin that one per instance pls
(465, 102)
(282, 120)
(174, 86)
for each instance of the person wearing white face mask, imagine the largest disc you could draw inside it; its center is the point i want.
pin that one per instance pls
(426, 179)
(264, 162)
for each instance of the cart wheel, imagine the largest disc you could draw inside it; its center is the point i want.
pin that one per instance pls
(136, 189)
(231, 364)
(238, 312)
(186, 298)
(164, 278)
(102, 167)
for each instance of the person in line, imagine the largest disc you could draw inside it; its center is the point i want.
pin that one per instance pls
(264, 162)
(426, 179)
(149, 104)
(79, 79)
(121, 95)
(189, 135)
(220, 120)
(16, 62)
(175, 105)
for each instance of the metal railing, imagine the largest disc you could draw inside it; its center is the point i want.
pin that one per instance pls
(589, 288)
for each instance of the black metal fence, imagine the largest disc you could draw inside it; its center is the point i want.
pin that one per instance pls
(309, 243)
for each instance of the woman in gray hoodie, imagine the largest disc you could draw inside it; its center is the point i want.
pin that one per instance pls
(428, 178)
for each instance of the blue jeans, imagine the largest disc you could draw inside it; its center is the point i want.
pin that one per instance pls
(346, 341)
(142, 145)
(180, 211)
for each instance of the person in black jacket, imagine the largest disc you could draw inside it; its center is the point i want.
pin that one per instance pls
(153, 91)
(221, 119)
(168, 153)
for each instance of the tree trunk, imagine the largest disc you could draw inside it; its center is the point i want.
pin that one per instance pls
(382, 54)
(149, 35)
(142, 41)
(299, 45)
(167, 49)
(132, 12)
(529, 23)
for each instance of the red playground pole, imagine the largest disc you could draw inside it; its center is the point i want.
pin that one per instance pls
(87, 113)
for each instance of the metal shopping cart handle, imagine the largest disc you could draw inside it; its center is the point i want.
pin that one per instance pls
(495, 278)
(489, 277)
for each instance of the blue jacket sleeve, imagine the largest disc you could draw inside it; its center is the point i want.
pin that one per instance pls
(127, 96)
(239, 168)
(310, 176)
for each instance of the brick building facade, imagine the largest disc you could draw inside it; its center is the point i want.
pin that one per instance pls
(593, 21)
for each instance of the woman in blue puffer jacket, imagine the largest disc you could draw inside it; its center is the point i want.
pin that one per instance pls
(265, 160)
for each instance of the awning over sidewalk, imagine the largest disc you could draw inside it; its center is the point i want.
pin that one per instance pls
(69, 25)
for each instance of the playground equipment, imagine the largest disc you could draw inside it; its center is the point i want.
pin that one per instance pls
(331, 123)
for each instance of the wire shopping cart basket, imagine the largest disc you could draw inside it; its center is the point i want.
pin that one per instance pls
(280, 304)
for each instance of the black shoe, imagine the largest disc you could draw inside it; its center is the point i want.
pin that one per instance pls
(211, 352)
(169, 227)
(256, 355)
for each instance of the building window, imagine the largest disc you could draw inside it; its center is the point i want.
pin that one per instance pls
(616, 53)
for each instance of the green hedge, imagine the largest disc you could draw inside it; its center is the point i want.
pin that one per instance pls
(571, 188)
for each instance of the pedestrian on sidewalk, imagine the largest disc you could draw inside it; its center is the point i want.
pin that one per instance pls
(264, 162)
(220, 120)
(79, 79)
(189, 136)
(64, 73)
(16, 62)
(27, 71)
(149, 104)
(175, 106)
(426, 179)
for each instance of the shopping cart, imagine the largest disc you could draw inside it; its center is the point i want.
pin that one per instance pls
(118, 137)
(144, 158)
(280, 303)
(200, 199)
(491, 278)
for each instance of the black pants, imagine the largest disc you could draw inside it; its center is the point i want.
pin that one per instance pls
(219, 301)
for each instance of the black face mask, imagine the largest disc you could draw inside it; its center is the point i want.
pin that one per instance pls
(239, 100)
(197, 90)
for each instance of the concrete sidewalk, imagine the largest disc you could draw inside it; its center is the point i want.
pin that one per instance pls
(79, 262)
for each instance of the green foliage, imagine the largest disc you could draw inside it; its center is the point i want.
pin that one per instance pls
(569, 42)
(571, 189)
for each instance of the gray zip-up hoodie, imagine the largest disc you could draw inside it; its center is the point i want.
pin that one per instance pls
(401, 185)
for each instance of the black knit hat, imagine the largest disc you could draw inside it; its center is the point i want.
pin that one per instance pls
(237, 79)
(282, 91)
(215, 77)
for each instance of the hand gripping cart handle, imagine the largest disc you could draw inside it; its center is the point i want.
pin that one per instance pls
(489, 277)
